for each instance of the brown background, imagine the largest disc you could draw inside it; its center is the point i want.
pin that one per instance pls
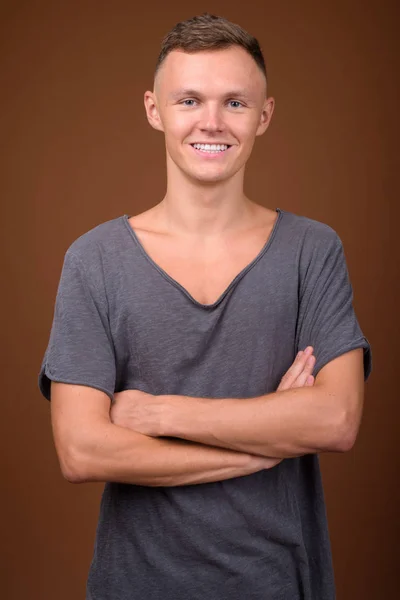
(77, 150)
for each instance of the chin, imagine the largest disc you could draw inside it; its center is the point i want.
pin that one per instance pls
(209, 178)
(207, 175)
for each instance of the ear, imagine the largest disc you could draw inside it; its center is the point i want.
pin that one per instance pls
(266, 115)
(153, 115)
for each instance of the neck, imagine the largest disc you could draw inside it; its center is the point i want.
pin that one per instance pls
(192, 208)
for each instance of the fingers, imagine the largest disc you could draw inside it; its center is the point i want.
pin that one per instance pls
(300, 373)
(304, 374)
(310, 381)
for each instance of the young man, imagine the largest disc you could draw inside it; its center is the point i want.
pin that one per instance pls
(189, 318)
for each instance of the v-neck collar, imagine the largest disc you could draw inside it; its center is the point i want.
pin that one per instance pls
(168, 277)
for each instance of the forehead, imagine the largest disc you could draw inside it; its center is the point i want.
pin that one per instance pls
(212, 70)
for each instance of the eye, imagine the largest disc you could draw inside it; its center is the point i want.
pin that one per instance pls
(188, 100)
(236, 102)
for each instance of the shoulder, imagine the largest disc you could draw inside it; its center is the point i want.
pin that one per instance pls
(93, 257)
(309, 231)
(99, 241)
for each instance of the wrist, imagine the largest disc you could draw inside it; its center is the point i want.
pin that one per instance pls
(177, 413)
(168, 415)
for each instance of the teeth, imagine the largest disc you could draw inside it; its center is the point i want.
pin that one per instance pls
(211, 147)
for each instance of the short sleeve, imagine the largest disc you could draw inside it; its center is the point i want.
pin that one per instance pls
(80, 348)
(326, 317)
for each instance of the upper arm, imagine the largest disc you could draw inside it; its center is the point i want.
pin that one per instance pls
(326, 317)
(78, 371)
(76, 411)
(343, 378)
(80, 350)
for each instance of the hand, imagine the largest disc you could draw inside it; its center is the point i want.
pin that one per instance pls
(139, 411)
(299, 374)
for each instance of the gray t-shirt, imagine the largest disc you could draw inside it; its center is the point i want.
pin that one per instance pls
(120, 322)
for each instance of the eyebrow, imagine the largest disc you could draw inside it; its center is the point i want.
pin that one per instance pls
(191, 92)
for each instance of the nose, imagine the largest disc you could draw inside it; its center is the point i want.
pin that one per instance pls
(212, 119)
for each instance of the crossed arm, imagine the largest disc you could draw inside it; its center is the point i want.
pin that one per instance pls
(220, 438)
(289, 423)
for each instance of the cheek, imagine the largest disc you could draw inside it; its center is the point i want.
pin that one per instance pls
(178, 129)
(246, 130)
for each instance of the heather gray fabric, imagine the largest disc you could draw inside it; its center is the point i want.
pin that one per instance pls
(121, 322)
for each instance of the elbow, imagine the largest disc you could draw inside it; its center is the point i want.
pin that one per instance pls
(346, 433)
(79, 456)
(345, 443)
(72, 468)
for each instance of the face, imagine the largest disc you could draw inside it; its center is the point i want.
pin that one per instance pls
(217, 98)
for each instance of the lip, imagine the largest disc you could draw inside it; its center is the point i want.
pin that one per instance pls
(210, 155)
(212, 143)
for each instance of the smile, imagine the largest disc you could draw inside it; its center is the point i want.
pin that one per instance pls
(211, 150)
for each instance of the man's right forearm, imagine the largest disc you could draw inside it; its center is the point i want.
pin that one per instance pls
(114, 453)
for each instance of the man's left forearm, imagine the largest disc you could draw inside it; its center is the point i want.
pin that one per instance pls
(283, 424)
